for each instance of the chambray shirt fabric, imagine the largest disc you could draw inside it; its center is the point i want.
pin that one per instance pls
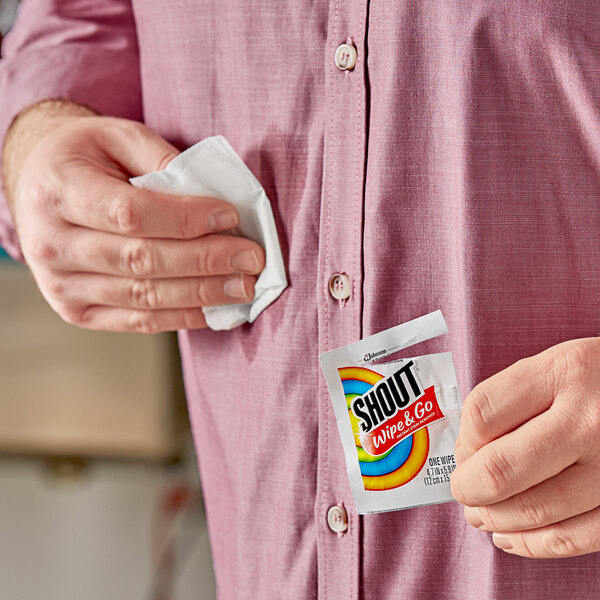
(456, 167)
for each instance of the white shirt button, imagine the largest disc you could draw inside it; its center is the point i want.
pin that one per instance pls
(339, 286)
(345, 57)
(337, 519)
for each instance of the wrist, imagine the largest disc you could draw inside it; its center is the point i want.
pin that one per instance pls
(27, 130)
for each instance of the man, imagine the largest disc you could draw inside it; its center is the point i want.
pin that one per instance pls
(418, 155)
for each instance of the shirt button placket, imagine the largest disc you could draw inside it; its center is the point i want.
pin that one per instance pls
(340, 273)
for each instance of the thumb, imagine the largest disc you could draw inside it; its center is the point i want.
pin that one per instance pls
(136, 147)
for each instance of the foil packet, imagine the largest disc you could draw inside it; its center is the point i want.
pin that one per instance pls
(398, 420)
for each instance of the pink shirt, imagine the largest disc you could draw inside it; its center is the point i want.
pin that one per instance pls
(456, 167)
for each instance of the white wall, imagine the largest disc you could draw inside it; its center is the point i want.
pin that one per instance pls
(89, 538)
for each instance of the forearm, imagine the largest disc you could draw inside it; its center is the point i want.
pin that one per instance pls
(29, 128)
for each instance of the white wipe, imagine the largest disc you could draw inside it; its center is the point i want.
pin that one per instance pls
(212, 168)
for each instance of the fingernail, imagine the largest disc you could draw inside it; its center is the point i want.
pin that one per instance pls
(234, 288)
(459, 455)
(473, 517)
(246, 261)
(501, 541)
(222, 220)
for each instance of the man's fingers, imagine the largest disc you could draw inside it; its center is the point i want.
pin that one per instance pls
(532, 453)
(106, 204)
(85, 289)
(103, 318)
(94, 252)
(502, 403)
(573, 537)
(135, 146)
(554, 500)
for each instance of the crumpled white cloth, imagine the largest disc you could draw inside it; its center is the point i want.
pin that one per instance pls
(212, 168)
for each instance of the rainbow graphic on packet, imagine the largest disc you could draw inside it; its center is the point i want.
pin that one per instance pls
(402, 454)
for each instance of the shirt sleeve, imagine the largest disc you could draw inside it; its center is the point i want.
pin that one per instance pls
(80, 50)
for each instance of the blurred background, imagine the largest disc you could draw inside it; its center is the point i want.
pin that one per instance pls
(99, 492)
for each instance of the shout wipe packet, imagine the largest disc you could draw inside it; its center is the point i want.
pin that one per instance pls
(398, 420)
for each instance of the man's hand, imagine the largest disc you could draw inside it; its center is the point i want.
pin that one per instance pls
(529, 453)
(104, 254)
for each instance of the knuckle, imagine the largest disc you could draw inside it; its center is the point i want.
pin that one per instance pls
(208, 263)
(137, 259)
(110, 127)
(478, 411)
(203, 293)
(575, 360)
(558, 542)
(41, 200)
(123, 215)
(532, 512)
(213, 260)
(143, 323)
(55, 287)
(37, 194)
(186, 227)
(583, 355)
(489, 518)
(553, 371)
(578, 360)
(495, 471)
(43, 251)
(591, 418)
(143, 293)
(524, 541)
(85, 316)
(141, 135)
(134, 129)
(202, 260)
